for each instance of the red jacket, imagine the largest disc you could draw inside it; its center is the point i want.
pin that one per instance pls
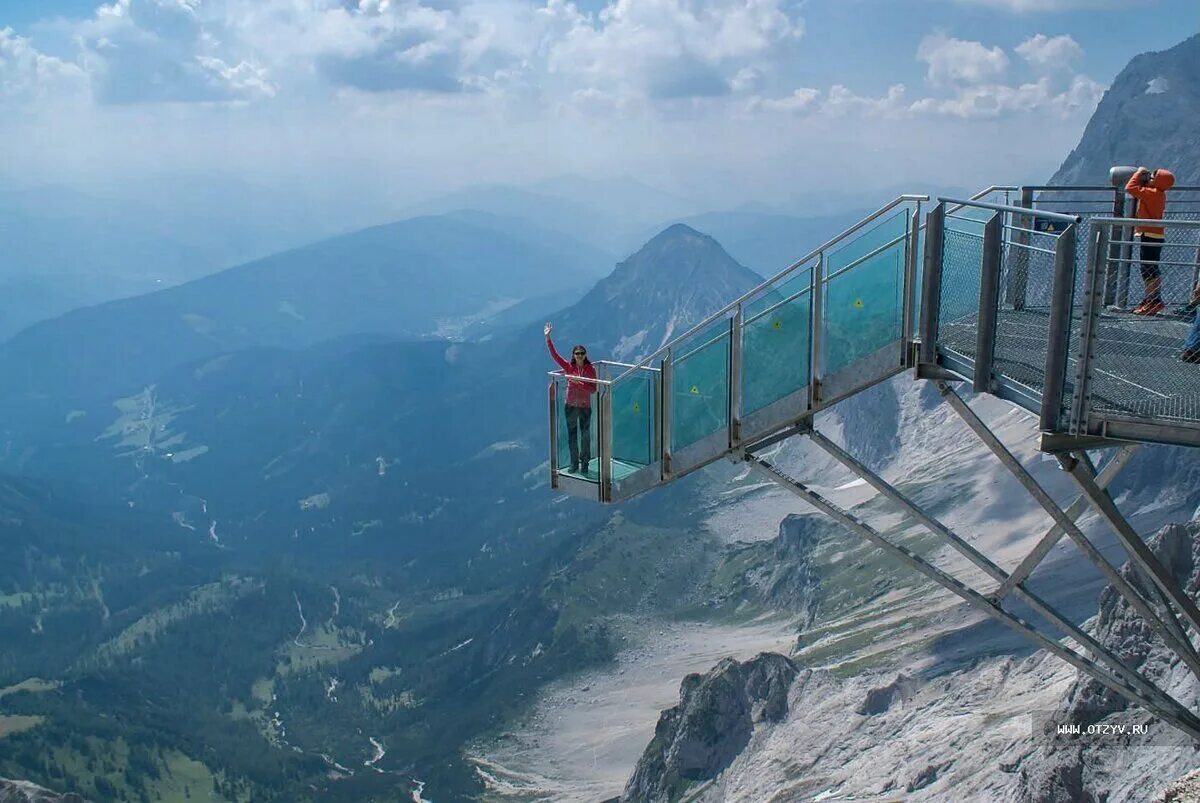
(1151, 199)
(579, 393)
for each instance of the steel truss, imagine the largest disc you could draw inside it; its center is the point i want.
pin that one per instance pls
(1096, 660)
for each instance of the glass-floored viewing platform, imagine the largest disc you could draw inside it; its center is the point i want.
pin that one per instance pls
(1026, 293)
(1033, 299)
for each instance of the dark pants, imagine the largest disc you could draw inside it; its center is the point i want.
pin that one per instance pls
(579, 436)
(1150, 254)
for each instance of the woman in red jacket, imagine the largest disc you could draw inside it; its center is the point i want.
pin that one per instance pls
(579, 402)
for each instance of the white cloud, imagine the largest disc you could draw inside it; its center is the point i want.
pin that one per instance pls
(26, 73)
(1050, 53)
(150, 51)
(1045, 6)
(800, 100)
(956, 61)
(842, 100)
(997, 100)
(667, 48)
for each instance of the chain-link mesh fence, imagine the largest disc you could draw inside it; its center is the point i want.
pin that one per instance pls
(1026, 287)
(1136, 368)
(962, 262)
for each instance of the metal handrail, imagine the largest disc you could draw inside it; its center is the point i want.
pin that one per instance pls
(1135, 221)
(1096, 188)
(574, 377)
(1016, 210)
(724, 311)
(623, 365)
(891, 244)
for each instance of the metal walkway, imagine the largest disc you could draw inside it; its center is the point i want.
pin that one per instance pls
(1024, 302)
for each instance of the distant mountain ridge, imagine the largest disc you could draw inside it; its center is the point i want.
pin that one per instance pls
(1149, 116)
(400, 280)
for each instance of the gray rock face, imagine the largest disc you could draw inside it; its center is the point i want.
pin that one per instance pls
(717, 712)
(1063, 773)
(25, 792)
(1184, 790)
(1150, 116)
(793, 583)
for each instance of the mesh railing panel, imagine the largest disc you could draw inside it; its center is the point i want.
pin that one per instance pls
(962, 261)
(1137, 371)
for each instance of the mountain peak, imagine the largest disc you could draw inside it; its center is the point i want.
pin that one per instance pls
(676, 231)
(1148, 116)
(672, 282)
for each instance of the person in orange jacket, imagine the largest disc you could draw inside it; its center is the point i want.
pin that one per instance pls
(1150, 190)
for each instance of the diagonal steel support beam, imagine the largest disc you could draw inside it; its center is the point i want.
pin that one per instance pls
(1159, 597)
(1055, 533)
(1188, 724)
(1139, 553)
(1042, 608)
(1182, 648)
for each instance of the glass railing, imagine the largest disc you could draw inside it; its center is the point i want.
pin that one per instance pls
(635, 435)
(575, 428)
(777, 342)
(864, 292)
(700, 385)
(754, 361)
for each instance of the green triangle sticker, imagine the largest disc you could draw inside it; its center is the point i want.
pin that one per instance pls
(637, 408)
(777, 324)
(858, 303)
(695, 391)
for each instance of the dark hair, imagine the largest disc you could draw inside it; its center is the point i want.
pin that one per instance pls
(577, 347)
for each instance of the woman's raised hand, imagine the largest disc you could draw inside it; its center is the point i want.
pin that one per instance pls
(548, 329)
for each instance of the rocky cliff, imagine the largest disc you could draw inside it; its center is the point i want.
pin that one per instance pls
(717, 713)
(25, 792)
(1065, 772)
(919, 732)
(1149, 116)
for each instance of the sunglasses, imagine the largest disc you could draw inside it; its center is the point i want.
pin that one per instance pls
(581, 354)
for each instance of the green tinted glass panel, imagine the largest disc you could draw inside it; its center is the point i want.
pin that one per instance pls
(584, 424)
(864, 307)
(634, 411)
(883, 233)
(776, 345)
(700, 387)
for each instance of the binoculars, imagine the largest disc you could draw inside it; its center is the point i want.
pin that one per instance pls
(1119, 176)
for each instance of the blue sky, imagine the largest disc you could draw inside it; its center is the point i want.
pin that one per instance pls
(728, 100)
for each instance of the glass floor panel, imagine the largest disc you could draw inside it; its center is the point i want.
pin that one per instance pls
(621, 470)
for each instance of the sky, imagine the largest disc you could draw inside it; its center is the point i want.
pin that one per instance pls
(725, 101)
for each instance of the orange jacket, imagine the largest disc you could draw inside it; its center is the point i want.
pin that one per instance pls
(1151, 199)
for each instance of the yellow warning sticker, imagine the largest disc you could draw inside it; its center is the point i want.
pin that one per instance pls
(858, 304)
(777, 324)
(695, 391)
(637, 408)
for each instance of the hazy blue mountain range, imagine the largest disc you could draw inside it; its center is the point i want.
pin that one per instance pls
(402, 280)
(62, 248)
(387, 492)
(1149, 116)
(369, 428)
